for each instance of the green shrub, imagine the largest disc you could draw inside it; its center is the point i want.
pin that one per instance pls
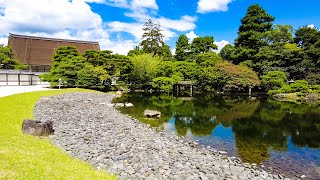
(163, 83)
(274, 80)
(313, 78)
(284, 89)
(300, 86)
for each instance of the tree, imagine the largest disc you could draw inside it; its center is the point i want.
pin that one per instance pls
(227, 52)
(313, 78)
(67, 71)
(251, 32)
(92, 77)
(203, 44)
(152, 39)
(274, 80)
(113, 64)
(279, 34)
(8, 59)
(235, 78)
(144, 68)
(164, 51)
(313, 53)
(306, 36)
(165, 69)
(284, 57)
(189, 70)
(182, 48)
(208, 59)
(163, 83)
(66, 63)
(136, 51)
(93, 58)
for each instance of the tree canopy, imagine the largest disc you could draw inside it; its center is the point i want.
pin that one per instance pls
(152, 38)
(8, 59)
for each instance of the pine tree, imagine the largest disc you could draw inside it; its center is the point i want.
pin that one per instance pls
(182, 48)
(152, 38)
(251, 32)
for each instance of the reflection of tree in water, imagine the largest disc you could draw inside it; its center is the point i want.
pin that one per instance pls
(301, 121)
(189, 116)
(165, 101)
(271, 127)
(305, 129)
(237, 110)
(254, 137)
(205, 114)
(257, 125)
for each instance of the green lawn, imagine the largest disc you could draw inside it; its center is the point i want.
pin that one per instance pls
(28, 157)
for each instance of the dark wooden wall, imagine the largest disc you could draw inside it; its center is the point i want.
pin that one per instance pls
(40, 51)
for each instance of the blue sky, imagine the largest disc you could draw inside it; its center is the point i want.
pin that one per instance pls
(117, 24)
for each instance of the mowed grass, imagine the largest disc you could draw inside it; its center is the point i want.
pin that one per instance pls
(27, 157)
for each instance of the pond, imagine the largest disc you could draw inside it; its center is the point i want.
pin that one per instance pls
(281, 137)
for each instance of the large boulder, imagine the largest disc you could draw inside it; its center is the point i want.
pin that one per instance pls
(37, 128)
(151, 114)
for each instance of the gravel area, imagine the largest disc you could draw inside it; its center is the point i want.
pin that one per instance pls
(88, 127)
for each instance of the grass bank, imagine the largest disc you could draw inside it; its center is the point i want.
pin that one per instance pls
(28, 157)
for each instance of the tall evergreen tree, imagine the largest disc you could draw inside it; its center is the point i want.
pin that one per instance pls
(251, 32)
(182, 48)
(152, 38)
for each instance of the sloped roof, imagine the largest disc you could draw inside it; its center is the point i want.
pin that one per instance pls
(51, 39)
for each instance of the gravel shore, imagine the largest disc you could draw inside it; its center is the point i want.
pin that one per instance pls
(88, 127)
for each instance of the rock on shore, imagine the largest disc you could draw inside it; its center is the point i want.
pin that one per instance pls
(88, 129)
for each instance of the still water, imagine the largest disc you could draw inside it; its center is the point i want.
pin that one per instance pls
(283, 137)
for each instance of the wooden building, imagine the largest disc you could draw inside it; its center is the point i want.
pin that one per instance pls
(38, 51)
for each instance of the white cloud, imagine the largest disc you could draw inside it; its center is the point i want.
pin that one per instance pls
(206, 6)
(129, 4)
(74, 19)
(47, 16)
(186, 23)
(173, 51)
(191, 35)
(119, 46)
(311, 26)
(58, 19)
(144, 4)
(4, 41)
(133, 28)
(118, 3)
(94, 1)
(220, 45)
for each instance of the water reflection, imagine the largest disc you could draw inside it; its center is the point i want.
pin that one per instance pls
(259, 130)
